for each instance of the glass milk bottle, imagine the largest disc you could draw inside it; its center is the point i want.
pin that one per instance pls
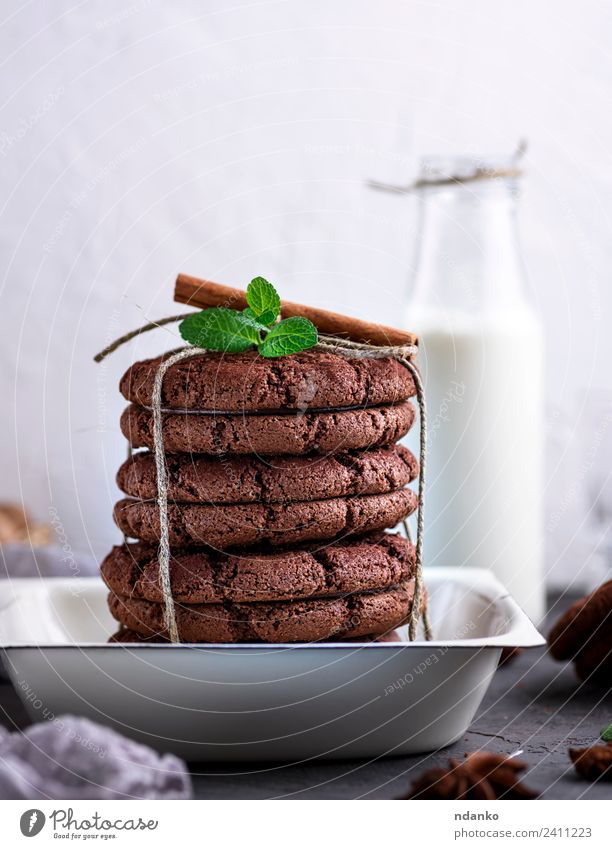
(481, 356)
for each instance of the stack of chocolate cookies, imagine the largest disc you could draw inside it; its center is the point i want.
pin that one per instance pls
(282, 476)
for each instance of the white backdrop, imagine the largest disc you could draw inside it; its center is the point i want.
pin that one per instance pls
(229, 140)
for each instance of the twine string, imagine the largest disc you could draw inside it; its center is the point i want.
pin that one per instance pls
(332, 344)
(419, 590)
(162, 491)
(480, 171)
(127, 337)
(402, 355)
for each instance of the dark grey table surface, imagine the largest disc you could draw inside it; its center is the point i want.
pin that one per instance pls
(533, 704)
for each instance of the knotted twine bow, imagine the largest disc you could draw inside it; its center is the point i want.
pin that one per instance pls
(330, 344)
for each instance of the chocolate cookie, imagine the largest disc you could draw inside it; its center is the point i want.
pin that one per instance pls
(249, 382)
(209, 577)
(282, 622)
(126, 635)
(247, 479)
(588, 619)
(297, 434)
(229, 525)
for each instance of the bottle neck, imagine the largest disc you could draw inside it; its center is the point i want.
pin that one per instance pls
(468, 258)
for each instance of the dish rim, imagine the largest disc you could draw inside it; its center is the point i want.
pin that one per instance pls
(521, 633)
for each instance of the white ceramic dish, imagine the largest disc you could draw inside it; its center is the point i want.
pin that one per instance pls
(262, 702)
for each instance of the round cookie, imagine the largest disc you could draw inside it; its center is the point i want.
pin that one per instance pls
(209, 577)
(247, 479)
(248, 382)
(126, 635)
(297, 433)
(589, 618)
(283, 622)
(229, 525)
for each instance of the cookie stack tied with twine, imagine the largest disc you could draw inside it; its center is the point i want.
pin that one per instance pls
(261, 501)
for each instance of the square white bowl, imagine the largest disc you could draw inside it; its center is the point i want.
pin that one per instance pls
(254, 701)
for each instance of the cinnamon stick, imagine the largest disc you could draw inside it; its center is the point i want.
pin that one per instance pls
(205, 293)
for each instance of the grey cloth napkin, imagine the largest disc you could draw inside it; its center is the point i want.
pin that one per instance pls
(70, 757)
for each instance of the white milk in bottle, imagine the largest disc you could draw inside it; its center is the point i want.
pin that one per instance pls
(481, 356)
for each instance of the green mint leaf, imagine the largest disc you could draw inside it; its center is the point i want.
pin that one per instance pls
(268, 318)
(220, 329)
(288, 337)
(263, 321)
(263, 300)
(606, 734)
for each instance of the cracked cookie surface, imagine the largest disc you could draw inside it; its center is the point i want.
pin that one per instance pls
(206, 577)
(249, 382)
(227, 525)
(246, 479)
(295, 434)
(282, 622)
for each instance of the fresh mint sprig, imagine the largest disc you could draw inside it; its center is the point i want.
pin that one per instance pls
(263, 300)
(288, 336)
(222, 329)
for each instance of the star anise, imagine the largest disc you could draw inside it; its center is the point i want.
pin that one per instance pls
(584, 634)
(594, 762)
(482, 775)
